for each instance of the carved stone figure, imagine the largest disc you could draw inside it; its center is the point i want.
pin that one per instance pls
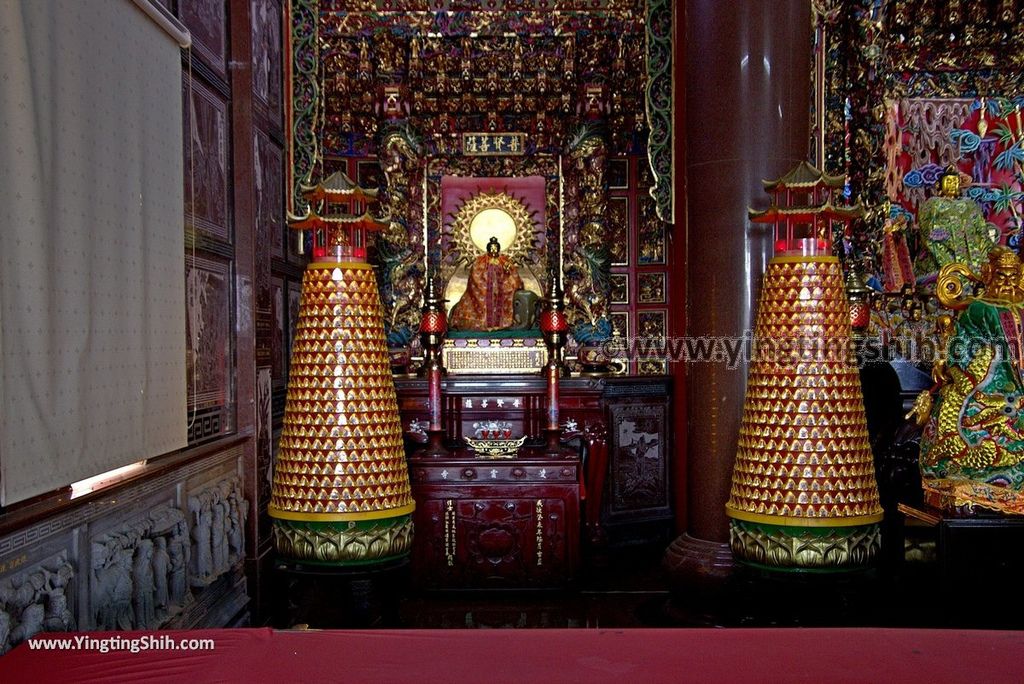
(122, 592)
(236, 535)
(22, 593)
(161, 568)
(30, 623)
(142, 590)
(202, 530)
(5, 631)
(58, 617)
(179, 583)
(103, 581)
(219, 537)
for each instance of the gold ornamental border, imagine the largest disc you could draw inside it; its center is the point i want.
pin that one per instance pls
(339, 264)
(513, 206)
(790, 521)
(796, 259)
(341, 517)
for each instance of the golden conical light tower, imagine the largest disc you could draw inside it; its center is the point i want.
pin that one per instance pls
(804, 495)
(341, 491)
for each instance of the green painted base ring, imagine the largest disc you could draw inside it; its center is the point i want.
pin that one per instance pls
(783, 548)
(353, 543)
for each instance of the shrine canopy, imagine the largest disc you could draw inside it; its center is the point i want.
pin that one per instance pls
(339, 217)
(804, 208)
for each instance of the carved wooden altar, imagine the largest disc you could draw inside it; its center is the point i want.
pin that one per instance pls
(620, 426)
(562, 122)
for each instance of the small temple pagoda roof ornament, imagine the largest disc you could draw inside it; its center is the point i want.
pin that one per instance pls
(804, 175)
(803, 207)
(339, 187)
(340, 226)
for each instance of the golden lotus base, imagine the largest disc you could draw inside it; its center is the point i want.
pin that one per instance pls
(804, 549)
(362, 542)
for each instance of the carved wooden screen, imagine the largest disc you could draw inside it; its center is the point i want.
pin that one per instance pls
(906, 87)
(497, 91)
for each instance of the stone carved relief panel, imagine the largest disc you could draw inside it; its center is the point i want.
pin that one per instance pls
(217, 515)
(207, 198)
(37, 598)
(138, 571)
(123, 561)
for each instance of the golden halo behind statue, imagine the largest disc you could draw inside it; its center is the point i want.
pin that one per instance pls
(493, 222)
(492, 214)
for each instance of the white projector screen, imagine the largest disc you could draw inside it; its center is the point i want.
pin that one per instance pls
(92, 306)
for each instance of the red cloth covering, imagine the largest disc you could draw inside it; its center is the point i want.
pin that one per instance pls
(555, 655)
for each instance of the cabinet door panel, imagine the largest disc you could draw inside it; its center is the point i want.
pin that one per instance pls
(494, 541)
(638, 473)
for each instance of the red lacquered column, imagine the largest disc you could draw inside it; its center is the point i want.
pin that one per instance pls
(747, 81)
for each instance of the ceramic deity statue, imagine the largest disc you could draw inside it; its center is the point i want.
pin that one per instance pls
(972, 449)
(952, 228)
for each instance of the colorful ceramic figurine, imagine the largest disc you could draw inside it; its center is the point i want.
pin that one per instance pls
(953, 227)
(897, 270)
(972, 449)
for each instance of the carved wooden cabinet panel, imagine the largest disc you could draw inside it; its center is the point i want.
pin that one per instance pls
(639, 449)
(495, 524)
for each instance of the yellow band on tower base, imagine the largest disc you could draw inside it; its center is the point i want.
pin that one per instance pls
(341, 517)
(790, 521)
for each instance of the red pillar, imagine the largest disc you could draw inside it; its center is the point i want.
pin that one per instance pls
(747, 68)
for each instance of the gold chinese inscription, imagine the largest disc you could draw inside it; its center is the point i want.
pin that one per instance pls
(449, 531)
(493, 144)
(540, 532)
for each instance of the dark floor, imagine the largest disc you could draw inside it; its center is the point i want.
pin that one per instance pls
(630, 589)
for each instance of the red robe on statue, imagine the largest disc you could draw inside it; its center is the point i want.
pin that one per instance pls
(487, 303)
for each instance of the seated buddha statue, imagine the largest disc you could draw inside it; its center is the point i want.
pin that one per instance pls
(972, 448)
(490, 298)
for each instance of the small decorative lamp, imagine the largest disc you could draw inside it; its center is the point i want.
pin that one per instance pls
(554, 325)
(433, 326)
(859, 296)
(341, 491)
(804, 495)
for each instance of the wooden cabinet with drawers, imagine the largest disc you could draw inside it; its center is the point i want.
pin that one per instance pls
(496, 523)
